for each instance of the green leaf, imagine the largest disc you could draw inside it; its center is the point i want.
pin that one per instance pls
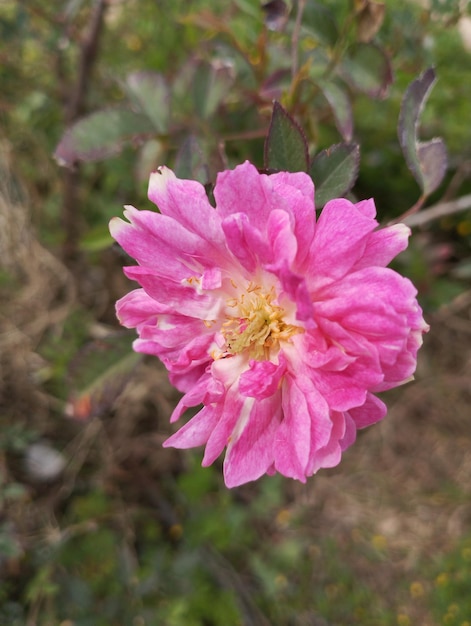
(319, 23)
(152, 93)
(285, 146)
(42, 585)
(426, 160)
(367, 67)
(334, 171)
(96, 239)
(190, 162)
(210, 84)
(101, 134)
(341, 107)
(98, 373)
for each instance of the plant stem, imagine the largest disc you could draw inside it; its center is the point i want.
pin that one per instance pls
(295, 39)
(74, 108)
(441, 209)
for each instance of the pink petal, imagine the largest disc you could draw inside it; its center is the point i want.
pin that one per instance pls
(305, 428)
(340, 239)
(137, 308)
(331, 453)
(234, 410)
(176, 295)
(350, 434)
(281, 238)
(159, 242)
(251, 455)
(262, 379)
(383, 245)
(295, 288)
(297, 191)
(360, 324)
(197, 431)
(369, 302)
(244, 241)
(366, 208)
(244, 190)
(187, 203)
(369, 413)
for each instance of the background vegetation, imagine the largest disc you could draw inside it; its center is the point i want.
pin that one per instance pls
(99, 525)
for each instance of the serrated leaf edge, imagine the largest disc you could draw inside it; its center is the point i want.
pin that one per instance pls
(279, 109)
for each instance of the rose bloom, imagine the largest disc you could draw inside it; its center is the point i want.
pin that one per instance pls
(282, 327)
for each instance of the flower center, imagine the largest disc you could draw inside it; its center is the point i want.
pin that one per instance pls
(258, 325)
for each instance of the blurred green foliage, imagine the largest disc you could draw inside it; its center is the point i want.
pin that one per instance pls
(449, 593)
(83, 552)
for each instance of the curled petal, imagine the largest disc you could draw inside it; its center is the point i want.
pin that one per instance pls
(251, 455)
(137, 308)
(331, 453)
(235, 411)
(369, 413)
(244, 241)
(197, 431)
(174, 196)
(243, 189)
(305, 429)
(340, 240)
(383, 245)
(262, 379)
(177, 296)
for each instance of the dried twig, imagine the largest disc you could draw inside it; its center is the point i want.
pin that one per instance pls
(442, 209)
(88, 55)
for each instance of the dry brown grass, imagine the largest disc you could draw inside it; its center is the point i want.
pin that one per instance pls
(39, 295)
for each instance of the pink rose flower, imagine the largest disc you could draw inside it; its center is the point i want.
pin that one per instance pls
(282, 327)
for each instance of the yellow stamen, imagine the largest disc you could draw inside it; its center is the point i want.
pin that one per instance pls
(258, 325)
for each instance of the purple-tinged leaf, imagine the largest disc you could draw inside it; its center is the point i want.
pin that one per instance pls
(285, 146)
(369, 19)
(276, 14)
(433, 158)
(427, 161)
(101, 134)
(275, 84)
(334, 171)
(190, 162)
(367, 67)
(152, 94)
(98, 374)
(341, 107)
